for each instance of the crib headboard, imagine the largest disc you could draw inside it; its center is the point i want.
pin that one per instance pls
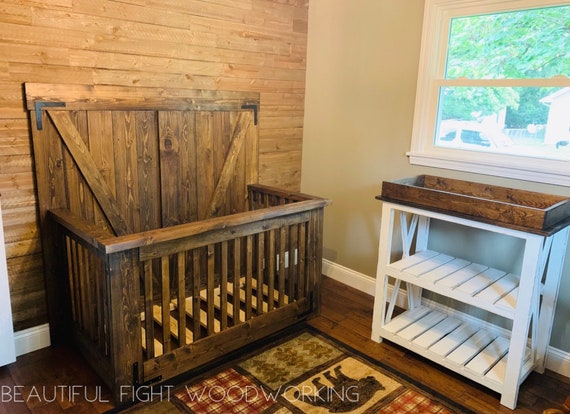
(133, 159)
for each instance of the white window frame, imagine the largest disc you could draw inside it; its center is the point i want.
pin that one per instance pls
(436, 24)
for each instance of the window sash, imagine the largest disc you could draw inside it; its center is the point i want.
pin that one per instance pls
(433, 55)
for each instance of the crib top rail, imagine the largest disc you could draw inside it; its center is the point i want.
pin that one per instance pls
(105, 242)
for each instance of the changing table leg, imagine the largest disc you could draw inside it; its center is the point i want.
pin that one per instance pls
(381, 290)
(549, 295)
(528, 287)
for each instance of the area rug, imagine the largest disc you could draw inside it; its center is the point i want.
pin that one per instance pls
(304, 372)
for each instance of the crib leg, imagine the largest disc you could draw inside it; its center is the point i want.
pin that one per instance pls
(123, 270)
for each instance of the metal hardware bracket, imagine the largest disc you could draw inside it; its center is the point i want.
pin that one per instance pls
(39, 105)
(255, 109)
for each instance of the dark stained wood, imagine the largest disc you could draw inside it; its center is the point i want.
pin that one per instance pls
(150, 267)
(178, 164)
(147, 167)
(101, 97)
(535, 212)
(236, 144)
(137, 173)
(124, 320)
(80, 153)
(144, 266)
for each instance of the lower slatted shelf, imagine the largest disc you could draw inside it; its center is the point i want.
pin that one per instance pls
(477, 353)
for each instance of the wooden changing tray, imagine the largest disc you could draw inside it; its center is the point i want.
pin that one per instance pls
(533, 211)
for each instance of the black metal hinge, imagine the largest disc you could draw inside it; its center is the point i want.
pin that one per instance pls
(39, 105)
(255, 108)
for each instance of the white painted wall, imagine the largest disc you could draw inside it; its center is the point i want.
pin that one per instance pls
(7, 348)
(362, 68)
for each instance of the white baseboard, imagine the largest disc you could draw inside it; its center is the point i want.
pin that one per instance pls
(349, 277)
(556, 360)
(32, 339)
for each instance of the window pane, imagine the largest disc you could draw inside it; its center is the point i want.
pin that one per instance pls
(520, 44)
(529, 121)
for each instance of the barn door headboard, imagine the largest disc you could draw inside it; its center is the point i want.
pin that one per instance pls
(135, 159)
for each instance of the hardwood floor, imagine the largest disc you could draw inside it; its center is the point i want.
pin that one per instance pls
(30, 384)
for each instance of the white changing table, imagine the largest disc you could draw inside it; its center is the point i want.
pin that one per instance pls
(498, 361)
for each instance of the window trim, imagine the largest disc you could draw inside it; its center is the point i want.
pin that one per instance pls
(437, 15)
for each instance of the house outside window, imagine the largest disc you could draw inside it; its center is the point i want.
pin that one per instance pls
(493, 92)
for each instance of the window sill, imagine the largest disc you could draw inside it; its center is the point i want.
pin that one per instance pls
(527, 169)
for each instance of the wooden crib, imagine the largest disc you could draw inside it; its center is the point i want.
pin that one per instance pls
(162, 253)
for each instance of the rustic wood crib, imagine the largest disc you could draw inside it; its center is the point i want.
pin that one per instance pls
(162, 253)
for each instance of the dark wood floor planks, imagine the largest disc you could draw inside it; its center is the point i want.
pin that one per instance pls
(346, 315)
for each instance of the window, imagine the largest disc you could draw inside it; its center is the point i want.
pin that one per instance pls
(493, 92)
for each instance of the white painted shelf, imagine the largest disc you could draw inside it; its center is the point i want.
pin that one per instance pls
(474, 352)
(494, 357)
(472, 283)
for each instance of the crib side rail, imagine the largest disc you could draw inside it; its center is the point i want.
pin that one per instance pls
(205, 227)
(206, 294)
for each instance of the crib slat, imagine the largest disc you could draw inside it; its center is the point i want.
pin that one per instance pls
(260, 248)
(248, 272)
(210, 289)
(76, 283)
(155, 347)
(293, 276)
(98, 272)
(88, 286)
(165, 284)
(84, 281)
(282, 268)
(181, 294)
(194, 305)
(236, 276)
(302, 281)
(271, 269)
(222, 299)
(149, 327)
(81, 285)
(72, 289)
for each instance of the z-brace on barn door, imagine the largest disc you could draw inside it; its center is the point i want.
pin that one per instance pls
(135, 159)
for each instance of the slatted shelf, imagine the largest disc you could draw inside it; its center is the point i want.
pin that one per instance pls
(476, 353)
(472, 283)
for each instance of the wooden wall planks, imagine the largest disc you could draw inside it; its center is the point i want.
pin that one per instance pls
(244, 45)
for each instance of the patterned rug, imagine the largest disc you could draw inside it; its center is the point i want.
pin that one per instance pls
(305, 372)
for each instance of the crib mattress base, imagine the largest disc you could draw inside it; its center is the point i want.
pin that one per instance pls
(172, 329)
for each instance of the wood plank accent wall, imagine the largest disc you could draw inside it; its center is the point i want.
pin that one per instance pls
(243, 45)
